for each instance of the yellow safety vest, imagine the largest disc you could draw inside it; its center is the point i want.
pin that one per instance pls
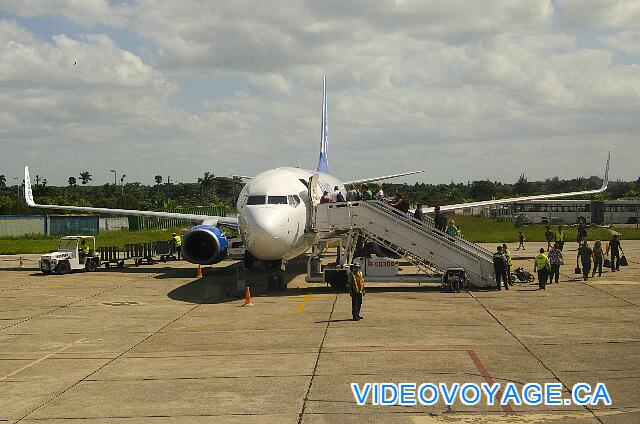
(560, 236)
(356, 282)
(541, 261)
(508, 257)
(178, 241)
(85, 249)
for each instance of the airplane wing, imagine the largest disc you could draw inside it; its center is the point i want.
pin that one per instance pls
(386, 177)
(526, 198)
(197, 219)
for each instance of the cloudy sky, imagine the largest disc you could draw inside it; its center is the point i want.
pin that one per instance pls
(466, 89)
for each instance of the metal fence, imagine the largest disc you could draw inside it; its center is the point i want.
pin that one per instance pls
(20, 225)
(62, 225)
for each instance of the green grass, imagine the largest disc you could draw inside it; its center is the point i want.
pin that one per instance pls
(487, 230)
(45, 244)
(476, 229)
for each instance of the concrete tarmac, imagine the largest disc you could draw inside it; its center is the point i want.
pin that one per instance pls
(156, 344)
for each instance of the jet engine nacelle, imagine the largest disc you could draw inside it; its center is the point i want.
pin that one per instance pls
(204, 245)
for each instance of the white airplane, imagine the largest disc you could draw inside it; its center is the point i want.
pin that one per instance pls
(273, 211)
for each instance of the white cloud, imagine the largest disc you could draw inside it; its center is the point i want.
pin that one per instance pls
(82, 12)
(411, 85)
(624, 41)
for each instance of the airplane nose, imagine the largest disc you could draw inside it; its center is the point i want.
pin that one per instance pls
(264, 232)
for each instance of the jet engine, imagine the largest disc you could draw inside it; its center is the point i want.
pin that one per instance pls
(204, 245)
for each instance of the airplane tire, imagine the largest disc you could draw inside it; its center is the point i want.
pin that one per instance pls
(249, 260)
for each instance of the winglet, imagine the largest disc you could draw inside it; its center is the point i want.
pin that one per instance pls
(605, 183)
(28, 194)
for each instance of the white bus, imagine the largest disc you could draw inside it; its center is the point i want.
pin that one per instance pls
(621, 211)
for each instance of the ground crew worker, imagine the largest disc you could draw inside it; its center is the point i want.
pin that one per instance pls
(509, 262)
(560, 237)
(542, 266)
(177, 243)
(84, 251)
(356, 290)
(500, 268)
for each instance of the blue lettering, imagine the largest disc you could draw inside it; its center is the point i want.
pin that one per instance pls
(385, 388)
(464, 394)
(361, 398)
(578, 388)
(434, 394)
(601, 392)
(376, 395)
(490, 392)
(449, 396)
(532, 394)
(511, 394)
(553, 393)
(407, 394)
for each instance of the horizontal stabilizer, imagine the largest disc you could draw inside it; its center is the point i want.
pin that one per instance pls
(386, 177)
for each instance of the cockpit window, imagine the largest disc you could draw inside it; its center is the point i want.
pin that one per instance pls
(257, 200)
(277, 200)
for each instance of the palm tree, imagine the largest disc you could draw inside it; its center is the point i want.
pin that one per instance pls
(72, 181)
(158, 182)
(3, 180)
(85, 177)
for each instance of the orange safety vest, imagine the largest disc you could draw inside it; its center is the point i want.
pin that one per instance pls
(356, 282)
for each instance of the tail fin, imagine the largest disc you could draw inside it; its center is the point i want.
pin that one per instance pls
(323, 165)
(28, 194)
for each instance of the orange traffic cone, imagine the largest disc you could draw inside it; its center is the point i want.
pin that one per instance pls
(247, 297)
(199, 271)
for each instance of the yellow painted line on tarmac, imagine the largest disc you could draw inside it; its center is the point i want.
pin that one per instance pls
(44, 358)
(305, 300)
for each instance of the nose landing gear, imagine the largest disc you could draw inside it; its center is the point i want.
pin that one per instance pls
(275, 281)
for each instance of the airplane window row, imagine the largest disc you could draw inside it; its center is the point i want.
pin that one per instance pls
(292, 200)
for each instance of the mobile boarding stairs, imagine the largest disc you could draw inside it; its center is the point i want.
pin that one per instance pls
(429, 249)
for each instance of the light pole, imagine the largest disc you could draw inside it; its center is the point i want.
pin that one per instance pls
(115, 186)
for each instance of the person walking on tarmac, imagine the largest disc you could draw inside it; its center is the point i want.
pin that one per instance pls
(356, 290)
(542, 266)
(560, 237)
(555, 260)
(584, 255)
(521, 239)
(509, 262)
(550, 236)
(615, 249)
(500, 268)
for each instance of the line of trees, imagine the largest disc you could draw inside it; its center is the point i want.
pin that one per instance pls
(207, 191)
(210, 190)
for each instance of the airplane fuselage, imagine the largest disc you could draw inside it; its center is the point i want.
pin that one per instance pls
(274, 211)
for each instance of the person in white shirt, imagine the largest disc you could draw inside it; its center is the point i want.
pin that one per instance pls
(380, 193)
(334, 194)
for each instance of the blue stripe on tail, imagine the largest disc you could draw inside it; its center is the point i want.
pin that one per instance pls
(323, 164)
